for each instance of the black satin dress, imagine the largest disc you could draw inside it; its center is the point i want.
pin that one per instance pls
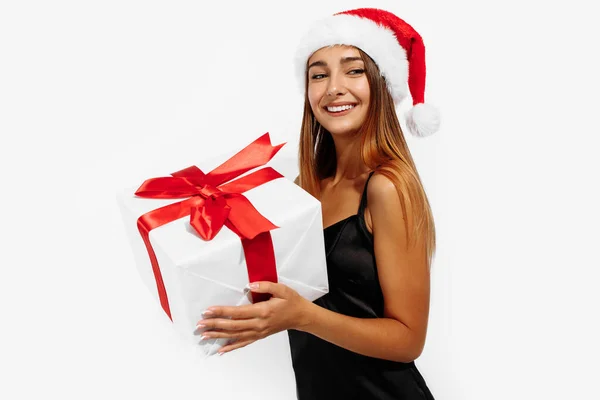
(325, 371)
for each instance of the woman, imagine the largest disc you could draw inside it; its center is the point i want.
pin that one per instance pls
(361, 339)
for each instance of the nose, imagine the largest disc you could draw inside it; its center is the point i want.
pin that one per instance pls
(336, 86)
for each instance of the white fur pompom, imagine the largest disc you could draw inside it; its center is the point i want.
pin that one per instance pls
(423, 120)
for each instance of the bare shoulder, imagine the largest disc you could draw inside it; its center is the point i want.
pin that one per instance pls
(382, 194)
(383, 203)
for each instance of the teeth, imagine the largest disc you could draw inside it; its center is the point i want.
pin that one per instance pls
(339, 108)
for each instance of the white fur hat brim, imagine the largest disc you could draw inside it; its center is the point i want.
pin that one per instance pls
(377, 41)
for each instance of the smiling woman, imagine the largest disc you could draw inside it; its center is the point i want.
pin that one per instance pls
(360, 340)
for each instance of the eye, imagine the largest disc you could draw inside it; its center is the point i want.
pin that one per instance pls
(318, 76)
(356, 71)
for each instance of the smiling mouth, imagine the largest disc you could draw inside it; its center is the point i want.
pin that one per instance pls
(339, 109)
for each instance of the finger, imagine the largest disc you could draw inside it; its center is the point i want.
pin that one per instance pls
(228, 324)
(236, 312)
(238, 335)
(276, 289)
(235, 345)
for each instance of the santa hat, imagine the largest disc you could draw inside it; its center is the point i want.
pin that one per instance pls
(394, 45)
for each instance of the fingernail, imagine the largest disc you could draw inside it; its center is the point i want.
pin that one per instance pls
(221, 353)
(204, 337)
(207, 312)
(253, 285)
(200, 326)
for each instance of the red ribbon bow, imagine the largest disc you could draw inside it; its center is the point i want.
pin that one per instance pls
(212, 203)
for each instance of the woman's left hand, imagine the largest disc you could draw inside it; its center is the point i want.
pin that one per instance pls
(286, 309)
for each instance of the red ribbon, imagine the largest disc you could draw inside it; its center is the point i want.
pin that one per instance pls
(212, 203)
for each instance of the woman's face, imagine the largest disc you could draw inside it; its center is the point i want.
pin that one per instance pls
(338, 90)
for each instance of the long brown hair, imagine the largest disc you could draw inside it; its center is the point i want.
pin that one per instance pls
(383, 149)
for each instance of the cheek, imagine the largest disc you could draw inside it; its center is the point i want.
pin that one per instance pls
(313, 98)
(365, 91)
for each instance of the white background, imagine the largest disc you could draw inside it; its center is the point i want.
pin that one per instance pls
(98, 95)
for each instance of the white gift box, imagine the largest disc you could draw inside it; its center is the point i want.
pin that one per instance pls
(198, 274)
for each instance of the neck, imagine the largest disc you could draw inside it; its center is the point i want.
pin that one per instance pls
(349, 165)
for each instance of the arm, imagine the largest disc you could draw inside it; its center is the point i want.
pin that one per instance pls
(404, 279)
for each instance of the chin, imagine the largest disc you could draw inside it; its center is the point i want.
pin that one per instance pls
(341, 127)
(342, 130)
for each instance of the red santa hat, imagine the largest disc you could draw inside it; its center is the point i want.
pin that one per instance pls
(394, 45)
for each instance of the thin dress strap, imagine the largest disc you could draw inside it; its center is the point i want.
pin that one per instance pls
(361, 212)
(363, 198)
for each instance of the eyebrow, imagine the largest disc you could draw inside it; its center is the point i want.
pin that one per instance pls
(343, 60)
